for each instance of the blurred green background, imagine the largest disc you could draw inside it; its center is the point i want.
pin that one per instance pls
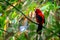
(12, 21)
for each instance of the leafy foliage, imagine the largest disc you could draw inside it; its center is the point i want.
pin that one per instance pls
(11, 19)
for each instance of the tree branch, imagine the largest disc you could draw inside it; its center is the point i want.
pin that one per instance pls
(21, 13)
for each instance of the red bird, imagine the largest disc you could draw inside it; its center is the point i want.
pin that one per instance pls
(40, 20)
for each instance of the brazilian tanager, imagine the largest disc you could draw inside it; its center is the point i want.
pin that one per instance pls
(40, 19)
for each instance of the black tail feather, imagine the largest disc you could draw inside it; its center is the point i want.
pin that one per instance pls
(39, 28)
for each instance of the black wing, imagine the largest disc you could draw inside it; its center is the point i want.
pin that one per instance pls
(39, 18)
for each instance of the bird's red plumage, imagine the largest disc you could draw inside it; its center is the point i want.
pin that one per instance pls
(39, 16)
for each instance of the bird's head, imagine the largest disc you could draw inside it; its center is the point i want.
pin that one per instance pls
(37, 11)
